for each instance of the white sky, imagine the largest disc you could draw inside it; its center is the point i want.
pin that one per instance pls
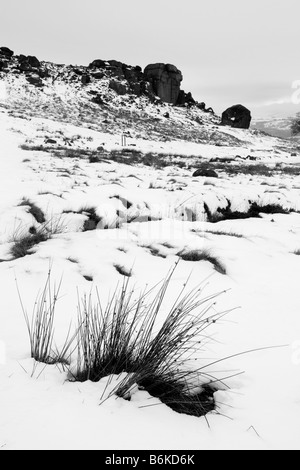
(229, 51)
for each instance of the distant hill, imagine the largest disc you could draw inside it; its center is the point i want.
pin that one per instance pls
(277, 127)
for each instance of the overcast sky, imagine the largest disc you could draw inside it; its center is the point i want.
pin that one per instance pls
(229, 51)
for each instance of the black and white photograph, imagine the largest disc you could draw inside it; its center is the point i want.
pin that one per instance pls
(149, 227)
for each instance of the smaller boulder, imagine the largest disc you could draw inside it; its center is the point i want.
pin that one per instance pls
(207, 172)
(85, 79)
(97, 75)
(6, 52)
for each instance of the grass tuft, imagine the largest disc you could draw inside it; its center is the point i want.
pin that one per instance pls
(41, 326)
(92, 220)
(220, 232)
(123, 271)
(23, 241)
(153, 346)
(255, 210)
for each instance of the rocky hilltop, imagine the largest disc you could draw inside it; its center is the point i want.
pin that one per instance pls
(157, 81)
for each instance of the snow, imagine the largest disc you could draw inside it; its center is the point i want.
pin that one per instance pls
(39, 407)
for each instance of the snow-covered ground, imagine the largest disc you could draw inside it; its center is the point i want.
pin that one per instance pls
(39, 407)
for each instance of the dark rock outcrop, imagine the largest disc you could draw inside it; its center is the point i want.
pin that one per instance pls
(237, 116)
(201, 106)
(165, 80)
(85, 79)
(185, 98)
(25, 67)
(97, 75)
(97, 99)
(33, 61)
(118, 87)
(6, 52)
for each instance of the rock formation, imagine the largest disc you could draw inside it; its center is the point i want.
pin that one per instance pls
(165, 80)
(120, 71)
(157, 80)
(237, 116)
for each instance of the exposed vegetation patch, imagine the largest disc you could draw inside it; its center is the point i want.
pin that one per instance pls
(254, 169)
(23, 241)
(167, 245)
(122, 249)
(23, 244)
(154, 251)
(122, 270)
(223, 232)
(93, 219)
(132, 156)
(127, 204)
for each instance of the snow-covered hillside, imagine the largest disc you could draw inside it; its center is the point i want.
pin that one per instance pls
(115, 208)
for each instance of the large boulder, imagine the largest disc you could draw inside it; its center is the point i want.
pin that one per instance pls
(237, 116)
(5, 51)
(165, 80)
